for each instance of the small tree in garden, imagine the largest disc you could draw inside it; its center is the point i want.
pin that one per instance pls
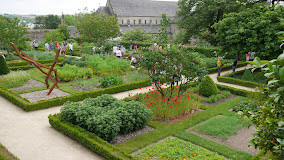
(207, 87)
(3, 66)
(163, 31)
(177, 67)
(55, 35)
(269, 118)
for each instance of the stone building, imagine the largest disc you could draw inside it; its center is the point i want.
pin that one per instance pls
(146, 14)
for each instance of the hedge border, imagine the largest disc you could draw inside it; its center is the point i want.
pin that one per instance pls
(28, 106)
(225, 67)
(88, 139)
(227, 79)
(27, 67)
(25, 63)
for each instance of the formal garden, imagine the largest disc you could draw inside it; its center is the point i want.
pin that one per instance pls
(171, 105)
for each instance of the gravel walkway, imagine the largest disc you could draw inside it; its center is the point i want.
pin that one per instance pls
(30, 84)
(42, 95)
(29, 136)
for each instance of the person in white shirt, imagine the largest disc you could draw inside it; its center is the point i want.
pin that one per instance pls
(114, 49)
(118, 53)
(46, 47)
(71, 48)
(133, 61)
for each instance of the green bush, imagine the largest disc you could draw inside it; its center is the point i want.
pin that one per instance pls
(106, 116)
(72, 72)
(75, 61)
(3, 66)
(207, 87)
(246, 106)
(110, 80)
(207, 51)
(247, 76)
(214, 98)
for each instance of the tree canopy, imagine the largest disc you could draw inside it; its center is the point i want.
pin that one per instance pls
(96, 28)
(47, 22)
(136, 34)
(197, 17)
(12, 31)
(163, 31)
(251, 30)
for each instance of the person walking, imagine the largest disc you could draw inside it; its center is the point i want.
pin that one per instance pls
(71, 48)
(114, 49)
(46, 47)
(57, 45)
(248, 56)
(118, 53)
(133, 61)
(235, 63)
(219, 65)
(51, 47)
(36, 45)
(135, 45)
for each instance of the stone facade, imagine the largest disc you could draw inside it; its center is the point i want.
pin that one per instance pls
(146, 14)
(38, 34)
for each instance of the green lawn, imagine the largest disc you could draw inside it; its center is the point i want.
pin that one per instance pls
(220, 126)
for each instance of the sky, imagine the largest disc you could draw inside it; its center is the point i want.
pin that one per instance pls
(44, 7)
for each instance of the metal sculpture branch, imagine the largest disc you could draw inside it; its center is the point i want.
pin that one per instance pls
(51, 69)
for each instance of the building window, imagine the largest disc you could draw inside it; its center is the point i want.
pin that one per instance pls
(134, 21)
(145, 22)
(122, 22)
(139, 21)
(156, 21)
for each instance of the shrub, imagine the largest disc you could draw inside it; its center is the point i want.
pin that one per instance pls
(247, 76)
(74, 61)
(72, 72)
(207, 87)
(3, 66)
(110, 80)
(107, 116)
(245, 106)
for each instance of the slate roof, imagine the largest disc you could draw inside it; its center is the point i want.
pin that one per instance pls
(104, 9)
(143, 8)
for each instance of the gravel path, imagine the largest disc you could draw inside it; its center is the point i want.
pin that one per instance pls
(42, 95)
(29, 136)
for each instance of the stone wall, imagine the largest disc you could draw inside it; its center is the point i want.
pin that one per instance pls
(38, 34)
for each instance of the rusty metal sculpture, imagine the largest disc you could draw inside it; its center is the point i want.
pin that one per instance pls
(38, 65)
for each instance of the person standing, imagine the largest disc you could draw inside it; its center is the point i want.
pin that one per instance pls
(51, 46)
(71, 48)
(135, 45)
(46, 47)
(235, 63)
(169, 45)
(57, 45)
(248, 56)
(122, 51)
(63, 50)
(114, 49)
(36, 45)
(131, 44)
(219, 65)
(118, 53)
(252, 55)
(133, 61)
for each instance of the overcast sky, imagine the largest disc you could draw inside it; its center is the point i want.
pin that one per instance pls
(44, 7)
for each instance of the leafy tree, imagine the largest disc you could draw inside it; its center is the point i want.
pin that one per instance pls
(63, 29)
(39, 22)
(197, 17)
(12, 31)
(55, 35)
(4, 69)
(70, 20)
(163, 31)
(136, 34)
(51, 21)
(96, 27)
(173, 66)
(251, 30)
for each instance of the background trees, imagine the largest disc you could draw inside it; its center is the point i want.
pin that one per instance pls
(251, 30)
(163, 31)
(12, 31)
(96, 27)
(197, 17)
(136, 34)
(47, 22)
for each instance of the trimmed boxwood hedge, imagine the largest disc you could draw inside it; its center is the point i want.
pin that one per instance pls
(27, 106)
(30, 66)
(225, 67)
(208, 52)
(236, 91)
(24, 63)
(228, 79)
(88, 139)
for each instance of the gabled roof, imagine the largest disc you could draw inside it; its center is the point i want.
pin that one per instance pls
(104, 9)
(143, 8)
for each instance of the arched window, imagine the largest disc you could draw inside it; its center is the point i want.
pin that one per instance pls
(121, 21)
(145, 22)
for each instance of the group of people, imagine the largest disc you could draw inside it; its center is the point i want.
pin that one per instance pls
(49, 47)
(131, 44)
(249, 57)
(118, 51)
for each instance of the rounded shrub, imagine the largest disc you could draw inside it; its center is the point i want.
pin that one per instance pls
(207, 87)
(3, 66)
(110, 80)
(101, 101)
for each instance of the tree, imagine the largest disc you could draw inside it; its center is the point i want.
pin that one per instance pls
(69, 19)
(39, 22)
(55, 35)
(63, 29)
(163, 31)
(51, 21)
(12, 31)
(136, 34)
(173, 66)
(251, 30)
(96, 28)
(4, 69)
(197, 17)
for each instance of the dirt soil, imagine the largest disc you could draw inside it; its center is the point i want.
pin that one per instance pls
(122, 138)
(42, 95)
(30, 84)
